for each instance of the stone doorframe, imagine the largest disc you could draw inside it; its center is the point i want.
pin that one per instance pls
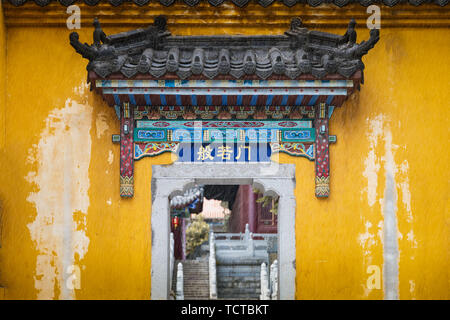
(170, 180)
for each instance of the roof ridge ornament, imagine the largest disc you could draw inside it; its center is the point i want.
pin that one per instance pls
(103, 46)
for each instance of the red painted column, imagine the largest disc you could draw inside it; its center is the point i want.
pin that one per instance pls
(251, 207)
(322, 159)
(126, 151)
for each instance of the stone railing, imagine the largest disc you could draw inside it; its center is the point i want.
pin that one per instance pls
(265, 236)
(180, 282)
(247, 244)
(171, 257)
(274, 280)
(269, 287)
(244, 236)
(240, 246)
(265, 291)
(228, 236)
(212, 267)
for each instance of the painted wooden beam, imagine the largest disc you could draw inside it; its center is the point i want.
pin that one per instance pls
(322, 152)
(126, 151)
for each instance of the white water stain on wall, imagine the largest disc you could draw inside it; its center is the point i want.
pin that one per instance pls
(372, 163)
(110, 157)
(412, 289)
(62, 157)
(101, 124)
(404, 187)
(367, 239)
(390, 227)
(371, 237)
(396, 178)
(406, 200)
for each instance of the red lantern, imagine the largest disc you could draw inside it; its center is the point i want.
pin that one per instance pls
(175, 222)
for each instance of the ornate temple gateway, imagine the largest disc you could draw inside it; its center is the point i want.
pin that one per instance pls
(228, 99)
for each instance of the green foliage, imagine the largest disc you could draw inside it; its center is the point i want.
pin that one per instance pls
(196, 234)
(226, 222)
(266, 201)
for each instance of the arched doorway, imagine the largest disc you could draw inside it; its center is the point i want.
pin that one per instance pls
(170, 180)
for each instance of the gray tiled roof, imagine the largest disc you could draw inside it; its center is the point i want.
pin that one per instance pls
(154, 52)
(182, 201)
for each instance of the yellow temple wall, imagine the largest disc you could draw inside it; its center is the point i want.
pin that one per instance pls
(67, 234)
(2, 76)
(2, 105)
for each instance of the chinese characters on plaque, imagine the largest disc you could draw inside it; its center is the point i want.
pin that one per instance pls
(227, 152)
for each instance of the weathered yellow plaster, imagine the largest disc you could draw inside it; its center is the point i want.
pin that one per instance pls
(2, 115)
(2, 77)
(397, 124)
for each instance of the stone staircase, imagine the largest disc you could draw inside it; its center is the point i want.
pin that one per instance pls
(196, 279)
(238, 264)
(238, 282)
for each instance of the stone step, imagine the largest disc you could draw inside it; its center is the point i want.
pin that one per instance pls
(237, 282)
(238, 297)
(196, 286)
(190, 269)
(230, 277)
(238, 287)
(194, 289)
(196, 274)
(199, 286)
(196, 279)
(195, 266)
(239, 271)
